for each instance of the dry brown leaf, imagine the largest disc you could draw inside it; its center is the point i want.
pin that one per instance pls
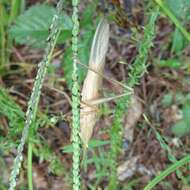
(134, 112)
(93, 82)
(131, 166)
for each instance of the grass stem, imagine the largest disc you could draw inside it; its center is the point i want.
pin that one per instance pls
(29, 166)
(75, 100)
(166, 172)
(174, 19)
(137, 70)
(2, 36)
(36, 91)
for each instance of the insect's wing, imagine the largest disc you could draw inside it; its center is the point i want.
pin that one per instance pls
(99, 46)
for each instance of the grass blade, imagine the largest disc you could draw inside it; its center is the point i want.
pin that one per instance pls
(166, 172)
(173, 19)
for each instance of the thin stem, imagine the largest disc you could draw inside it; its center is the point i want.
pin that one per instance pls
(2, 35)
(137, 70)
(166, 172)
(75, 100)
(109, 79)
(173, 19)
(29, 166)
(15, 8)
(36, 91)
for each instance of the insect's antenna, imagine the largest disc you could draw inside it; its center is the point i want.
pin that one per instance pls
(111, 80)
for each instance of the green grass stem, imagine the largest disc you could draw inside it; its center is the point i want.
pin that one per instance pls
(36, 91)
(16, 7)
(75, 100)
(137, 70)
(166, 172)
(2, 36)
(174, 19)
(29, 166)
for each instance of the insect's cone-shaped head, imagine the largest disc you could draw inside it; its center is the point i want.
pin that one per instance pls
(93, 81)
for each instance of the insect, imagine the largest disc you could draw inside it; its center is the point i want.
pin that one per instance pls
(92, 86)
(93, 82)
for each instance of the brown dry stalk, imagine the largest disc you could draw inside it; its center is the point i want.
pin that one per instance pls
(93, 82)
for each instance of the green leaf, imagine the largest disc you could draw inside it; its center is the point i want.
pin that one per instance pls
(181, 128)
(12, 112)
(179, 7)
(15, 118)
(186, 112)
(87, 15)
(92, 144)
(83, 55)
(171, 63)
(178, 42)
(16, 8)
(31, 28)
(167, 99)
(179, 98)
(4, 17)
(84, 44)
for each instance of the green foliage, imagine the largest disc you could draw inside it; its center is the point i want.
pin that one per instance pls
(16, 8)
(171, 63)
(7, 16)
(101, 162)
(15, 117)
(167, 99)
(131, 184)
(43, 152)
(182, 127)
(136, 71)
(97, 157)
(186, 111)
(166, 172)
(83, 56)
(12, 112)
(177, 12)
(178, 41)
(84, 45)
(36, 91)
(3, 19)
(3, 170)
(181, 8)
(92, 144)
(164, 144)
(32, 27)
(88, 15)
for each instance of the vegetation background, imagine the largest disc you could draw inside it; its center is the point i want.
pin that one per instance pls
(136, 137)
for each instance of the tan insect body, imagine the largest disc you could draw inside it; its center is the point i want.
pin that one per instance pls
(93, 82)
